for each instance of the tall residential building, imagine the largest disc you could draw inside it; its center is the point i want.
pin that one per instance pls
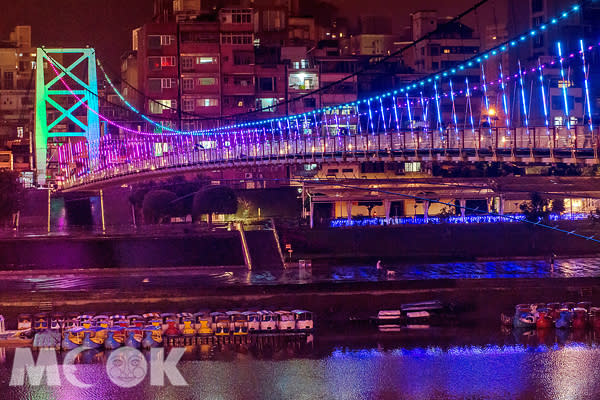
(448, 45)
(196, 68)
(17, 96)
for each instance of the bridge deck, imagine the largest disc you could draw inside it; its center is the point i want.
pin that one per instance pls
(127, 160)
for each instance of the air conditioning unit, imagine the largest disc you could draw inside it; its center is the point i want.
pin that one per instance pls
(248, 175)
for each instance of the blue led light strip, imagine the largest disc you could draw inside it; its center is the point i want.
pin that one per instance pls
(396, 114)
(587, 89)
(382, 114)
(469, 105)
(541, 71)
(503, 47)
(564, 85)
(504, 102)
(523, 98)
(410, 121)
(370, 117)
(487, 101)
(454, 111)
(439, 114)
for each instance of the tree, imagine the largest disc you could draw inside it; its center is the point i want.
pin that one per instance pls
(10, 195)
(158, 204)
(370, 205)
(214, 200)
(558, 206)
(536, 209)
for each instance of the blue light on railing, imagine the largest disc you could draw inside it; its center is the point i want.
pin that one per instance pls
(468, 219)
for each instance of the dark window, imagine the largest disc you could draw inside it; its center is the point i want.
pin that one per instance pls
(8, 80)
(558, 102)
(448, 64)
(309, 102)
(537, 6)
(199, 37)
(435, 65)
(154, 42)
(434, 51)
(266, 84)
(154, 85)
(154, 64)
(243, 57)
(538, 41)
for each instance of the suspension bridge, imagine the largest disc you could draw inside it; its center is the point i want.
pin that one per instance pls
(480, 110)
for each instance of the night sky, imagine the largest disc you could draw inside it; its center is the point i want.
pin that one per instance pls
(107, 24)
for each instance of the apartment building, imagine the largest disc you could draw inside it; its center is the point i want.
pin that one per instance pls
(17, 96)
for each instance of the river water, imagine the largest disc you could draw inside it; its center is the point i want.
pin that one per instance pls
(448, 363)
(182, 277)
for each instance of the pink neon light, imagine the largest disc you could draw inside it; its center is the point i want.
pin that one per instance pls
(97, 113)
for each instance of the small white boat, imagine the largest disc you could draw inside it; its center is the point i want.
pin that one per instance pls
(304, 320)
(268, 322)
(253, 319)
(285, 321)
(388, 316)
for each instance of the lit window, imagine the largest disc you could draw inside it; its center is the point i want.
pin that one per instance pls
(168, 61)
(206, 60)
(208, 102)
(240, 103)
(412, 167)
(158, 106)
(266, 104)
(446, 51)
(206, 81)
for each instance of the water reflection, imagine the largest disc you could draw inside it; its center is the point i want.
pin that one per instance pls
(436, 364)
(220, 276)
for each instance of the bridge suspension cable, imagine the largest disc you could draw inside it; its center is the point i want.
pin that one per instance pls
(469, 63)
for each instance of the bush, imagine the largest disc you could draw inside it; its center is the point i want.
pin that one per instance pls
(10, 195)
(158, 205)
(536, 210)
(214, 200)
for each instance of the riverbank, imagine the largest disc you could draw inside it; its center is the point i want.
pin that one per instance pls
(441, 242)
(187, 245)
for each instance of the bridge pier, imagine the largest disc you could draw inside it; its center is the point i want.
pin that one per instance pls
(348, 212)
(387, 204)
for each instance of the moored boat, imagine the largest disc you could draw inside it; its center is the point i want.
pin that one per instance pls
(152, 337)
(543, 319)
(304, 320)
(111, 343)
(580, 318)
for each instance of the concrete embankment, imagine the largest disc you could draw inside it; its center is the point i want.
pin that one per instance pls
(161, 250)
(441, 242)
(475, 299)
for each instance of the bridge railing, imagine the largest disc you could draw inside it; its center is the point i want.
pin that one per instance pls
(120, 157)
